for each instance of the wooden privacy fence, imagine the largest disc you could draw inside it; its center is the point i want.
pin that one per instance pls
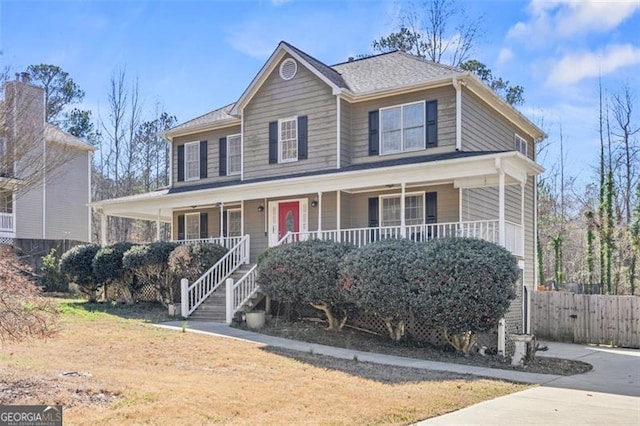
(586, 318)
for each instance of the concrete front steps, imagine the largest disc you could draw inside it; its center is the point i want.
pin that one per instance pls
(214, 307)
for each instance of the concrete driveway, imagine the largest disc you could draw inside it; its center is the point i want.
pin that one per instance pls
(607, 395)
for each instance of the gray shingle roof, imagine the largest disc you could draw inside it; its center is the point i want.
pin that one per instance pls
(333, 75)
(390, 70)
(214, 116)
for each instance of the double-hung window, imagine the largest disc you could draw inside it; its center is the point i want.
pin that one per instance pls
(391, 212)
(288, 139)
(234, 223)
(192, 226)
(520, 144)
(402, 128)
(234, 154)
(192, 160)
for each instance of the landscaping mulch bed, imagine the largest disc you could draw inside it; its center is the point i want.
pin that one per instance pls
(315, 332)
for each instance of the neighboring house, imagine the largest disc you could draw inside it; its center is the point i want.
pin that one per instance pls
(386, 146)
(56, 207)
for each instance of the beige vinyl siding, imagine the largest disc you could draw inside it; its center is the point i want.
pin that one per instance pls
(67, 197)
(345, 132)
(255, 224)
(28, 213)
(358, 204)
(446, 123)
(482, 203)
(213, 221)
(213, 155)
(305, 94)
(483, 129)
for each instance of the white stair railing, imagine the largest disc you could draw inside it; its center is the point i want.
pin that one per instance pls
(193, 295)
(240, 292)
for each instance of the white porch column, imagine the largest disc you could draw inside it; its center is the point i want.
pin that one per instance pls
(221, 207)
(403, 224)
(338, 215)
(242, 218)
(501, 213)
(319, 215)
(103, 229)
(158, 226)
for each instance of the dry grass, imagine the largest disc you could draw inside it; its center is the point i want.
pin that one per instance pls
(140, 374)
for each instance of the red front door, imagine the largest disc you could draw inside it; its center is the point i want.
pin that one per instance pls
(288, 217)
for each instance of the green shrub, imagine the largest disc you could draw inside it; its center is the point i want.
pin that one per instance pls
(376, 278)
(466, 287)
(190, 261)
(150, 264)
(306, 272)
(76, 265)
(51, 278)
(108, 269)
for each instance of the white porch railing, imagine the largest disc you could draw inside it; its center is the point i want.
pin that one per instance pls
(228, 242)
(240, 292)
(483, 229)
(193, 295)
(6, 222)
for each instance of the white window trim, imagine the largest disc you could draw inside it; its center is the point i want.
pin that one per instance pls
(424, 128)
(186, 169)
(517, 138)
(229, 222)
(186, 227)
(229, 173)
(280, 121)
(406, 195)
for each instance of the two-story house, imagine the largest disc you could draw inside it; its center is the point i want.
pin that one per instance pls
(386, 146)
(45, 174)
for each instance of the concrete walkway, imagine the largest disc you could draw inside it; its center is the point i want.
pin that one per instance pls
(606, 395)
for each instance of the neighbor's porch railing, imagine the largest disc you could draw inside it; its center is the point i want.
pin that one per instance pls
(193, 295)
(483, 229)
(6, 222)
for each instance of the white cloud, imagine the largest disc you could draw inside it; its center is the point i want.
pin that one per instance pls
(575, 67)
(567, 18)
(505, 55)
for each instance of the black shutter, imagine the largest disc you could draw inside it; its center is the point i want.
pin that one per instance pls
(273, 142)
(373, 212)
(374, 136)
(432, 124)
(181, 225)
(203, 159)
(431, 200)
(224, 223)
(302, 137)
(180, 163)
(204, 225)
(222, 149)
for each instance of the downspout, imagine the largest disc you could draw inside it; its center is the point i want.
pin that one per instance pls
(241, 146)
(457, 84)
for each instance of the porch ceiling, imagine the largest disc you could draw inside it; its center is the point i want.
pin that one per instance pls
(481, 170)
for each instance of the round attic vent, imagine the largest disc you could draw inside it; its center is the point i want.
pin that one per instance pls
(288, 69)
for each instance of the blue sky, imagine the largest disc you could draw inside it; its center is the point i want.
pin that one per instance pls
(194, 56)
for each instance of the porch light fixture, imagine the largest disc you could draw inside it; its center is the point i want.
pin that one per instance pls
(260, 208)
(314, 203)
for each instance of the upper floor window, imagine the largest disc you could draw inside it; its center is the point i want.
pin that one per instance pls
(520, 145)
(234, 154)
(403, 128)
(288, 139)
(192, 160)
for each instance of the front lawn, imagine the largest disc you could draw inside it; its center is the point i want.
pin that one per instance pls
(109, 366)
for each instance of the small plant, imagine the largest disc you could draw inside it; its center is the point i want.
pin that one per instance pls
(51, 279)
(184, 326)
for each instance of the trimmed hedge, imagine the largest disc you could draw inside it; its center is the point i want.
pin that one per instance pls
(108, 269)
(150, 265)
(376, 278)
(306, 272)
(190, 261)
(76, 265)
(466, 286)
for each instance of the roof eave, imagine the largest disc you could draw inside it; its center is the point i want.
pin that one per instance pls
(169, 134)
(427, 84)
